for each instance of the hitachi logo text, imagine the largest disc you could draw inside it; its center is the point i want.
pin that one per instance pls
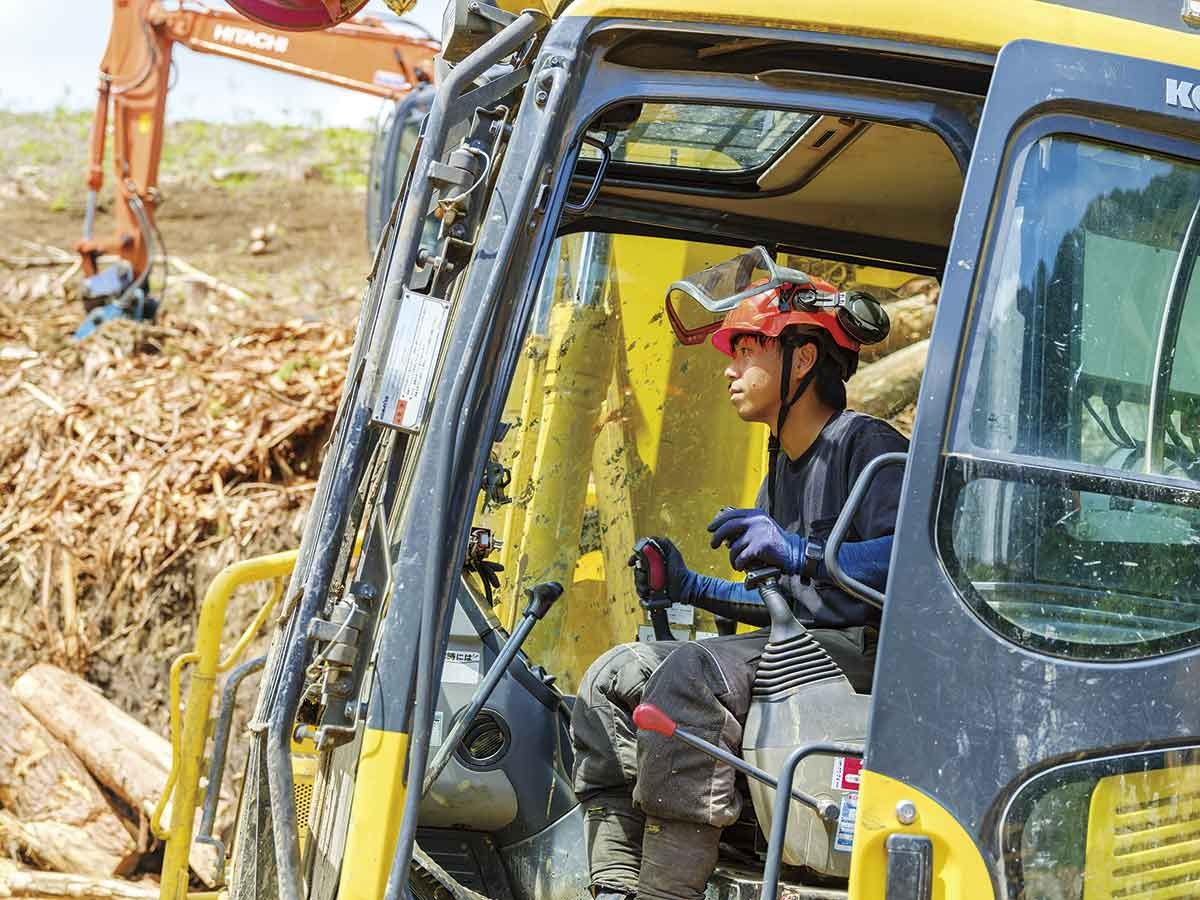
(244, 37)
(1183, 93)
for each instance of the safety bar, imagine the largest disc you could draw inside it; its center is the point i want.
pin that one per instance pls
(841, 527)
(779, 812)
(188, 737)
(216, 766)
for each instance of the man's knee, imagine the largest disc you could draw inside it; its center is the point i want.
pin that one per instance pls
(694, 680)
(619, 675)
(602, 729)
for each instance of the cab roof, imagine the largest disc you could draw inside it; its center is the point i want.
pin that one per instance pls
(1150, 29)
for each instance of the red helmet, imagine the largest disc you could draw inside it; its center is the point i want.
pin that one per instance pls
(298, 15)
(760, 314)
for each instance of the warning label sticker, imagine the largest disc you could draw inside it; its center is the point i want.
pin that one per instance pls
(847, 773)
(461, 667)
(411, 359)
(435, 733)
(844, 839)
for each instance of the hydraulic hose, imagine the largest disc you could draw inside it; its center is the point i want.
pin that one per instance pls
(439, 572)
(284, 828)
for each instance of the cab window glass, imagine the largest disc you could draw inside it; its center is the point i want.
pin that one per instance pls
(1086, 361)
(710, 138)
(1119, 827)
(616, 431)
(1074, 334)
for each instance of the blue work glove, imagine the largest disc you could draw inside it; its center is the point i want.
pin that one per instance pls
(686, 586)
(755, 538)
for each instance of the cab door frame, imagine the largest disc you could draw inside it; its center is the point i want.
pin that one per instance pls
(963, 716)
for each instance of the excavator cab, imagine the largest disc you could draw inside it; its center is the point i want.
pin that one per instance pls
(519, 412)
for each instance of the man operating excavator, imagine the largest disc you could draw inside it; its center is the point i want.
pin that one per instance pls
(655, 806)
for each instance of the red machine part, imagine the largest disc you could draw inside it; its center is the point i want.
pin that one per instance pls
(298, 15)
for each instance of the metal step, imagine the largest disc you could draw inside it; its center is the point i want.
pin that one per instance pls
(736, 883)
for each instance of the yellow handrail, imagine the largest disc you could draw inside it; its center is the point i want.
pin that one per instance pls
(187, 742)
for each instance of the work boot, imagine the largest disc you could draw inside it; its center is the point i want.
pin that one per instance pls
(614, 843)
(677, 858)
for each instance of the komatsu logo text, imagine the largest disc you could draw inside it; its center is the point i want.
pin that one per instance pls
(246, 37)
(1183, 93)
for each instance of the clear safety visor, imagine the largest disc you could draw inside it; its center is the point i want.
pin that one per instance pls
(696, 305)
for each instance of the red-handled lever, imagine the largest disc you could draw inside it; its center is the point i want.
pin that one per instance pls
(649, 717)
(649, 562)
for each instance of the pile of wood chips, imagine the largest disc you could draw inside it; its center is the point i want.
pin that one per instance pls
(126, 460)
(125, 454)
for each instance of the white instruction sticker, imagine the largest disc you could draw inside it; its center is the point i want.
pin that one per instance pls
(411, 359)
(681, 614)
(435, 733)
(844, 839)
(461, 667)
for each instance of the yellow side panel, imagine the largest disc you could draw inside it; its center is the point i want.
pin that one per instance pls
(1143, 836)
(959, 870)
(305, 763)
(984, 26)
(374, 816)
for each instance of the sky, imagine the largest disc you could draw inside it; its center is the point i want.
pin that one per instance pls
(50, 57)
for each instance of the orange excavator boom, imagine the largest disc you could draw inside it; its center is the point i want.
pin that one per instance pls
(362, 55)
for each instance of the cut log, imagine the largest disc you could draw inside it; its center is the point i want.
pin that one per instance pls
(885, 387)
(56, 811)
(122, 753)
(921, 284)
(15, 882)
(912, 321)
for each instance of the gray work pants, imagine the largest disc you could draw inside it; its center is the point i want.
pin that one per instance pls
(705, 687)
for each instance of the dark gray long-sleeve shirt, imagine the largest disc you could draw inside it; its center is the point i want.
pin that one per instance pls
(810, 493)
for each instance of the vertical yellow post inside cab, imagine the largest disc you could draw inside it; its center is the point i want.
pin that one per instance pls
(618, 432)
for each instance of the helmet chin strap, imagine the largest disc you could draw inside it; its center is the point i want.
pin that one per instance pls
(785, 407)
